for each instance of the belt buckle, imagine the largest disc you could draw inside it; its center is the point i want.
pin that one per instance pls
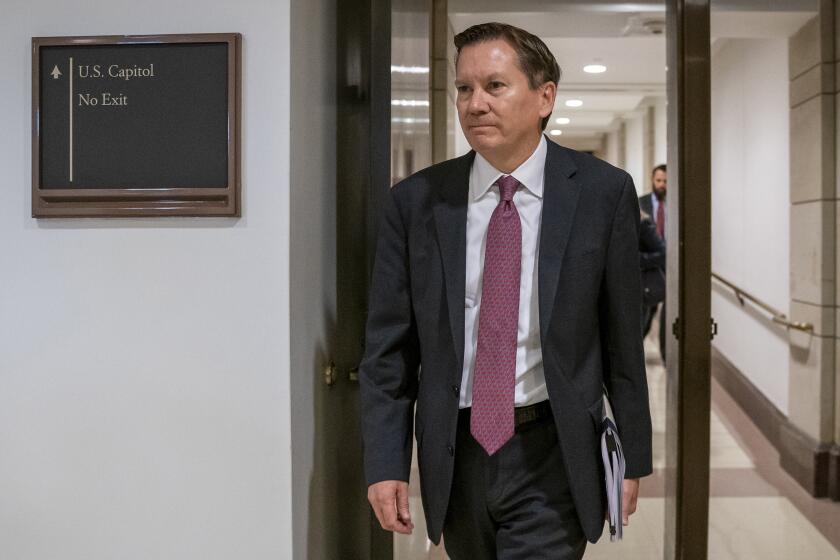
(526, 414)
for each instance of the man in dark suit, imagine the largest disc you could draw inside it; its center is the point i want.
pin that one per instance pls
(653, 204)
(650, 202)
(505, 296)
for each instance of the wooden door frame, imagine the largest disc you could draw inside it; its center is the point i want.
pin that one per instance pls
(689, 279)
(363, 112)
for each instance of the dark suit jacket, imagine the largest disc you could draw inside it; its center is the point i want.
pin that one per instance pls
(646, 205)
(589, 316)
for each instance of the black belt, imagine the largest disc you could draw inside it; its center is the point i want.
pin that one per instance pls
(530, 413)
(521, 414)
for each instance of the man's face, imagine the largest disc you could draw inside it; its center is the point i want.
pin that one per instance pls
(496, 106)
(660, 183)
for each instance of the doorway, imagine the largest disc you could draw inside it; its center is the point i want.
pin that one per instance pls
(414, 100)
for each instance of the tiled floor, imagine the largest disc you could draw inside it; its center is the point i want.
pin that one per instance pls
(756, 510)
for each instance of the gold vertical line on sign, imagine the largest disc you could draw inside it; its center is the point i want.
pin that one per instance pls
(71, 119)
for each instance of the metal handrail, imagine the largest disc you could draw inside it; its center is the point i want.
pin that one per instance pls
(776, 315)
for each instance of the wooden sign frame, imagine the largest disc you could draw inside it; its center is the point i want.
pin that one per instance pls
(163, 200)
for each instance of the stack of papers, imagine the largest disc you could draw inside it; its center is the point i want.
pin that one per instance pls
(613, 470)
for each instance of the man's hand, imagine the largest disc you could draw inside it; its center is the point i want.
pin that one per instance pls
(629, 496)
(389, 499)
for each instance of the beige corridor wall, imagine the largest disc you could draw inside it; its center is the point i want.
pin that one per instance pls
(144, 364)
(750, 206)
(660, 152)
(635, 130)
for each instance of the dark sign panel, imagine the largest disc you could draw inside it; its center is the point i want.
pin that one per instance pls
(136, 126)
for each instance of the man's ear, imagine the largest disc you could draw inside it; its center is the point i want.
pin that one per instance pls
(548, 93)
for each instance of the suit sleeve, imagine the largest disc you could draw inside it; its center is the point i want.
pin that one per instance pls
(388, 373)
(625, 373)
(651, 247)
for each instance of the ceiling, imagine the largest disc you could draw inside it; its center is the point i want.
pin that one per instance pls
(610, 6)
(618, 35)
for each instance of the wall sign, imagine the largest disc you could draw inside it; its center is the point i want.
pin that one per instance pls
(144, 125)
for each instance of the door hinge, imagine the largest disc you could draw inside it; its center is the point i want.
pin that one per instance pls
(676, 328)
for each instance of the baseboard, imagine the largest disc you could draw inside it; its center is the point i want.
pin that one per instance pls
(815, 466)
(834, 473)
(804, 459)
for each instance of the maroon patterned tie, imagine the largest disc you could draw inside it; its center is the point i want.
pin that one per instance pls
(491, 419)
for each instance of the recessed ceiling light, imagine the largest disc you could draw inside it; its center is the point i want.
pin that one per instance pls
(573, 103)
(563, 120)
(409, 102)
(409, 120)
(556, 132)
(594, 68)
(409, 69)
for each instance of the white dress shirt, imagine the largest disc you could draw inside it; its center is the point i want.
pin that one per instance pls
(483, 199)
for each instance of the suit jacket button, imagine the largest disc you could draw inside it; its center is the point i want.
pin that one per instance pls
(450, 449)
(456, 390)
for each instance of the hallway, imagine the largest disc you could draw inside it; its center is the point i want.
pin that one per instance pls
(756, 509)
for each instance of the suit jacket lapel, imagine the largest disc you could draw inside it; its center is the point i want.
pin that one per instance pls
(560, 198)
(450, 211)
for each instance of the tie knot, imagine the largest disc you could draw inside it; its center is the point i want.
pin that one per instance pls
(507, 186)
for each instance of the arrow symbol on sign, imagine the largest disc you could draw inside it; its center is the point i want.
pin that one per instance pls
(56, 72)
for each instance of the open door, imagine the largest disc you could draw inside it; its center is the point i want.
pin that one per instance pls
(688, 323)
(363, 165)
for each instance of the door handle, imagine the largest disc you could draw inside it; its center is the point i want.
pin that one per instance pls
(330, 374)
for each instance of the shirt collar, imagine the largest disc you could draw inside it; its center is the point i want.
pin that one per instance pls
(530, 174)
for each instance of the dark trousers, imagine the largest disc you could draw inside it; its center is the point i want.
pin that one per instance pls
(662, 331)
(647, 317)
(515, 504)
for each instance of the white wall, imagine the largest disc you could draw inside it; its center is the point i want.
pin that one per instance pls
(611, 145)
(144, 364)
(313, 275)
(751, 205)
(660, 134)
(634, 150)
